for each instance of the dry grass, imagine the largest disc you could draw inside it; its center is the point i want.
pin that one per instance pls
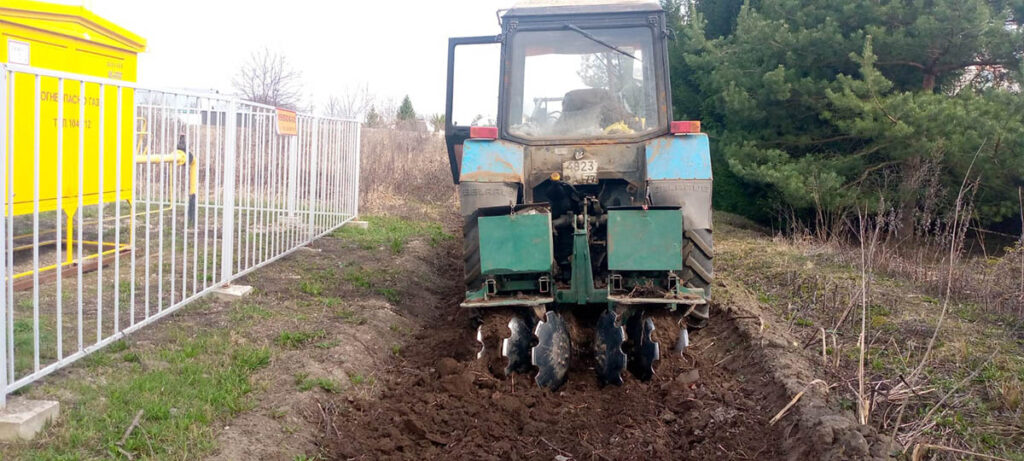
(403, 170)
(967, 396)
(991, 281)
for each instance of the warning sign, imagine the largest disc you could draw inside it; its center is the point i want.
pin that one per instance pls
(286, 123)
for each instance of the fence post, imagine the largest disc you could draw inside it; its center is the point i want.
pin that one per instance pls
(293, 174)
(355, 192)
(228, 229)
(3, 237)
(314, 155)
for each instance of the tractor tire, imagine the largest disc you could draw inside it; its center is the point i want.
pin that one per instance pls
(698, 270)
(471, 253)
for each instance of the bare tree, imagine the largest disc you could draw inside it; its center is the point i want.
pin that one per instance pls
(268, 78)
(352, 102)
(333, 108)
(388, 108)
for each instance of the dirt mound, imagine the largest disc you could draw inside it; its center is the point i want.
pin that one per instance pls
(712, 402)
(455, 407)
(813, 428)
(449, 407)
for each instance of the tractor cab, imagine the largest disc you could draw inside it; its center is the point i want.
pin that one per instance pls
(572, 74)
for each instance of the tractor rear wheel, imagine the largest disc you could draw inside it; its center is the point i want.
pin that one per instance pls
(471, 253)
(698, 271)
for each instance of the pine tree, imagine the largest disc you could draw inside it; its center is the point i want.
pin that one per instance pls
(806, 113)
(405, 111)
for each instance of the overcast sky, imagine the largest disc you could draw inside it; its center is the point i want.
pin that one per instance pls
(398, 47)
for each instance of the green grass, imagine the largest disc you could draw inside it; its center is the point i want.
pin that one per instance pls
(251, 358)
(765, 297)
(359, 379)
(327, 344)
(296, 339)
(880, 310)
(968, 312)
(304, 383)
(879, 317)
(95, 361)
(373, 280)
(393, 233)
(311, 287)
(315, 283)
(124, 291)
(351, 317)
(362, 278)
(201, 381)
(877, 364)
(117, 346)
(390, 294)
(396, 328)
(24, 359)
(330, 301)
(247, 311)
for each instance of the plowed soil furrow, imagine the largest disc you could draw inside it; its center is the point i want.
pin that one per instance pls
(712, 402)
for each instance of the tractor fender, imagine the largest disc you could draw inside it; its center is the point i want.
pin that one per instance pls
(679, 174)
(490, 174)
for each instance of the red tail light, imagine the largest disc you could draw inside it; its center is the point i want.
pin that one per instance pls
(483, 132)
(689, 126)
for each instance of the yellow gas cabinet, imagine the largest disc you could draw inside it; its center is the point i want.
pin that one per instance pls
(68, 39)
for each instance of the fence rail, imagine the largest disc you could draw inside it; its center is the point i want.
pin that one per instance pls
(124, 203)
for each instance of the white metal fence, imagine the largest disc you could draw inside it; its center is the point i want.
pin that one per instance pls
(124, 203)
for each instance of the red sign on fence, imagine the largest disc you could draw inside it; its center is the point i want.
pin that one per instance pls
(286, 123)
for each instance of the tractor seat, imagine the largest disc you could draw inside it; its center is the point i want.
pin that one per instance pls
(599, 102)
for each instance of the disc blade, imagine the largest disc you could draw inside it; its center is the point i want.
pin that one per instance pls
(480, 340)
(551, 354)
(517, 346)
(608, 338)
(645, 351)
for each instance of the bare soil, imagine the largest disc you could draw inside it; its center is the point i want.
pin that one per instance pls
(712, 402)
(353, 341)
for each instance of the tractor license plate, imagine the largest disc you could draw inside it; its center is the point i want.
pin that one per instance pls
(580, 171)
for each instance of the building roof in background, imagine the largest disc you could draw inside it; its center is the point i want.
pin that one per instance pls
(72, 21)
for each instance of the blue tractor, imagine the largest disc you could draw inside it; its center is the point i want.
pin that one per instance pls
(586, 209)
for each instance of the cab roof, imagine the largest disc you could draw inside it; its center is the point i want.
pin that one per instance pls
(563, 7)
